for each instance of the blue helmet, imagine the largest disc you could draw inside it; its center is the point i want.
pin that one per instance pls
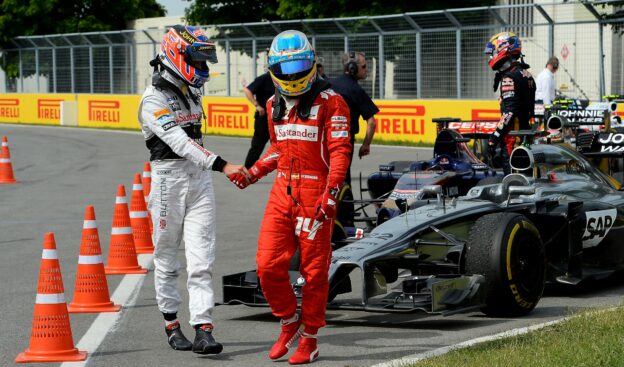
(292, 63)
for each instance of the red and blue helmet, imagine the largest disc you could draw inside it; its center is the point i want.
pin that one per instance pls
(292, 63)
(502, 47)
(184, 51)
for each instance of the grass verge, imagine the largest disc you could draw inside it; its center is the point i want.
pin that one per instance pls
(588, 339)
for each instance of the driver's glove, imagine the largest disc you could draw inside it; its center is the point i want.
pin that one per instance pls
(326, 204)
(242, 181)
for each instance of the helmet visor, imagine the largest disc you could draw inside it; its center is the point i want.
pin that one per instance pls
(489, 49)
(202, 51)
(291, 70)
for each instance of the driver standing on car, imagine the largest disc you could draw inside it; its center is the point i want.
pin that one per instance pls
(310, 148)
(517, 92)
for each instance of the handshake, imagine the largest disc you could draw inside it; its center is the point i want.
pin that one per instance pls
(240, 176)
(325, 206)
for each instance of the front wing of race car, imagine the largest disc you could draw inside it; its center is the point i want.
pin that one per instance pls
(444, 295)
(409, 264)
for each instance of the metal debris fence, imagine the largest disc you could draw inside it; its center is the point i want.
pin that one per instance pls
(435, 54)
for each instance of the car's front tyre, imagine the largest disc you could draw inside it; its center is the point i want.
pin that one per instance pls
(507, 250)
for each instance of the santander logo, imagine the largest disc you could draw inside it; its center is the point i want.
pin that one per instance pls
(296, 132)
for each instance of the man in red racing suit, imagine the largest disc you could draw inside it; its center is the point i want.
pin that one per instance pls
(311, 156)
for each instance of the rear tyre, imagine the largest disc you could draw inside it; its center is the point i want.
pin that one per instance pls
(507, 250)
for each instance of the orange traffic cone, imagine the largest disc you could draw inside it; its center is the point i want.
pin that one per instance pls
(51, 337)
(122, 257)
(147, 180)
(6, 168)
(91, 290)
(138, 219)
(147, 187)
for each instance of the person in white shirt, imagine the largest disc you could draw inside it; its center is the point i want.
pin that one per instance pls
(545, 92)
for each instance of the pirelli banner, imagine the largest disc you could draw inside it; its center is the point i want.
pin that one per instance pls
(109, 111)
(398, 120)
(33, 108)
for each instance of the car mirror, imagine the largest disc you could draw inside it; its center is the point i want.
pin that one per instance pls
(435, 190)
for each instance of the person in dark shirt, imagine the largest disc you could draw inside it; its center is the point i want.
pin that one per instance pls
(320, 70)
(517, 93)
(360, 104)
(258, 93)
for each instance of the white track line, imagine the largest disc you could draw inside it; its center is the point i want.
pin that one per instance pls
(126, 294)
(411, 359)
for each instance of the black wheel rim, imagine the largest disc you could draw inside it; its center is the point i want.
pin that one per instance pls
(527, 263)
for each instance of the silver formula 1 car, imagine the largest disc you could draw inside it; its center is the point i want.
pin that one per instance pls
(557, 218)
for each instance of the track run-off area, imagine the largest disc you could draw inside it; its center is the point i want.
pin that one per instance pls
(62, 170)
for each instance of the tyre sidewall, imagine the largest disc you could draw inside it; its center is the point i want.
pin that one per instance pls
(509, 239)
(492, 238)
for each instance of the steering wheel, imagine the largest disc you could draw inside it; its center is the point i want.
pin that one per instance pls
(437, 166)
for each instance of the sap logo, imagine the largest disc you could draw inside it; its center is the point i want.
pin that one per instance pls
(597, 227)
(303, 225)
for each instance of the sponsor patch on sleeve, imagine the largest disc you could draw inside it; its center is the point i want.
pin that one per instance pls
(339, 118)
(506, 95)
(507, 81)
(339, 126)
(169, 125)
(160, 113)
(340, 134)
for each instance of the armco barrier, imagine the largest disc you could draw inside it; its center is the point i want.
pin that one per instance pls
(398, 120)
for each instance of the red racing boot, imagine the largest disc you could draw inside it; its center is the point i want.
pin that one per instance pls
(307, 351)
(289, 335)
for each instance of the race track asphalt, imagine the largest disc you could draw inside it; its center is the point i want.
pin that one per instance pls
(61, 170)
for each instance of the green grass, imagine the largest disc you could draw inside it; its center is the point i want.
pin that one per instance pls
(589, 339)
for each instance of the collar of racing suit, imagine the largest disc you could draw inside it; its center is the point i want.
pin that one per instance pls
(509, 65)
(166, 80)
(165, 74)
(280, 109)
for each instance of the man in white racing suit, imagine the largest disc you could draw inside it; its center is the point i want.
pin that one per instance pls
(181, 201)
